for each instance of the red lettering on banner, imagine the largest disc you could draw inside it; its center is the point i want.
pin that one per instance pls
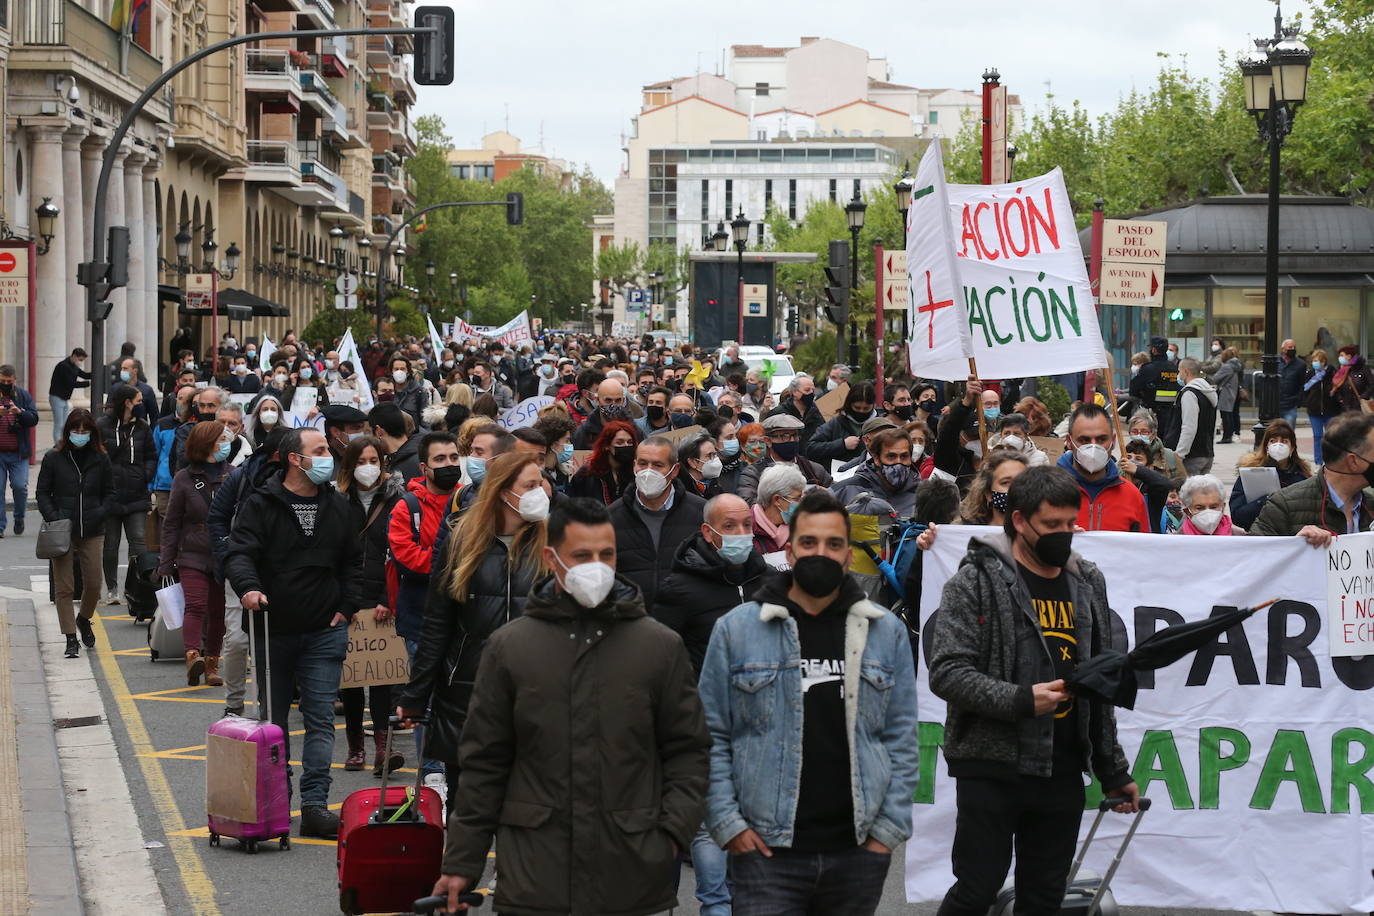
(1039, 228)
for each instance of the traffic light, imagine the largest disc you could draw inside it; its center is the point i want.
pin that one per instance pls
(837, 282)
(118, 247)
(434, 51)
(515, 208)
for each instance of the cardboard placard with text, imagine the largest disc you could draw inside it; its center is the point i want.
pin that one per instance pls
(830, 403)
(376, 654)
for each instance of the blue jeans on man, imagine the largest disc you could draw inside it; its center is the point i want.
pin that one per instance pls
(847, 882)
(14, 468)
(1290, 414)
(60, 408)
(314, 663)
(710, 864)
(428, 765)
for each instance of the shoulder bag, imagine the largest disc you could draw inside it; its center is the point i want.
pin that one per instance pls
(54, 539)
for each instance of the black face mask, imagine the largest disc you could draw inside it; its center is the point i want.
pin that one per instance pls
(904, 411)
(206, 416)
(927, 404)
(785, 451)
(567, 379)
(1290, 353)
(858, 417)
(807, 400)
(655, 413)
(624, 454)
(448, 476)
(817, 575)
(1054, 549)
(682, 420)
(7, 390)
(726, 412)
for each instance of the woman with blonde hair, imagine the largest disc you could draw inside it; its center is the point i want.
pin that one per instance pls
(483, 580)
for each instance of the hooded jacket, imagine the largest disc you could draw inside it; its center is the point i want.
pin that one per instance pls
(586, 759)
(701, 589)
(412, 555)
(1109, 504)
(164, 437)
(133, 457)
(1197, 415)
(307, 580)
(868, 478)
(452, 640)
(986, 653)
(637, 557)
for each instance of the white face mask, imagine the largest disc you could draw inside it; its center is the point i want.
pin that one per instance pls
(1135, 370)
(367, 475)
(400, 376)
(279, 381)
(329, 364)
(1279, 451)
(918, 450)
(1016, 443)
(534, 505)
(268, 418)
(1207, 520)
(650, 483)
(588, 583)
(975, 446)
(711, 469)
(1091, 457)
(1216, 348)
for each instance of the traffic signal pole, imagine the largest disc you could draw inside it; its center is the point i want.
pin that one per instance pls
(92, 274)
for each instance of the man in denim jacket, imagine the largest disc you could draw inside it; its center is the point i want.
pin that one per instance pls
(809, 689)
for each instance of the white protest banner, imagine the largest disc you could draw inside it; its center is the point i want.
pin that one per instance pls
(265, 353)
(1023, 294)
(304, 400)
(348, 352)
(1257, 750)
(512, 333)
(939, 333)
(1350, 595)
(243, 398)
(434, 339)
(525, 413)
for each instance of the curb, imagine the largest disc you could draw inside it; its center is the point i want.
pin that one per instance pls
(54, 882)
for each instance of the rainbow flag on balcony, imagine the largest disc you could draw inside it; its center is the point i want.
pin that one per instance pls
(125, 14)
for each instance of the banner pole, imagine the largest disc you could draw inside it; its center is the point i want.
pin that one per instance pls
(982, 420)
(1116, 413)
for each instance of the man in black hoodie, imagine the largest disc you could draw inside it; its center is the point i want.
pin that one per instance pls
(294, 553)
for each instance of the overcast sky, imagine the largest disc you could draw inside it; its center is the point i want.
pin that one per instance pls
(572, 69)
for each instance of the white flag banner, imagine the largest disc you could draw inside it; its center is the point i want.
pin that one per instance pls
(513, 333)
(348, 351)
(1257, 750)
(1024, 297)
(265, 353)
(435, 340)
(939, 333)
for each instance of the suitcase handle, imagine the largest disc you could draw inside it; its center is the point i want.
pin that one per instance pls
(1103, 807)
(1108, 804)
(394, 722)
(435, 904)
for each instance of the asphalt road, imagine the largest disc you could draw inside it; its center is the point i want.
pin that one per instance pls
(168, 787)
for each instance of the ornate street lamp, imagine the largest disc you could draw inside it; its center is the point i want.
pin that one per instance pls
(854, 215)
(47, 214)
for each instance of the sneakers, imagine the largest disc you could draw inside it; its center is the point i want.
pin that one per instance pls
(87, 634)
(73, 647)
(18, 526)
(318, 821)
(233, 711)
(111, 596)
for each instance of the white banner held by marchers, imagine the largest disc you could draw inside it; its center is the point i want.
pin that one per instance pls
(939, 331)
(1025, 300)
(512, 333)
(265, 353)
(435, 341)
(348, 352)
(1257, 749)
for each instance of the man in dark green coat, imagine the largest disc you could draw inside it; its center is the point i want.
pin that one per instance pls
(584, 753)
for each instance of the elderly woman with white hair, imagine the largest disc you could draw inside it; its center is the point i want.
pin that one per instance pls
(1204, 508)
(780, 489)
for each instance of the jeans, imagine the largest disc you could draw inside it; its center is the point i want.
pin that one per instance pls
(711, 865)
(85, 551)
(132, 526)
(1318, 430)
(16, 470)
(234, 661)
(428, 765)
(204, 612)
(848, 882)
(1040, 816)
(1290, 414)
(60, 408)
(314, 663)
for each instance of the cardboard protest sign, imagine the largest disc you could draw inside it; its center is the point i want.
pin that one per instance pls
(830, 403)
(525, 413)
(231, 779)
(1257, 749)
(1018, 285)
(1350, 595)
(376, 655)
(679, 436)
(1052, 446)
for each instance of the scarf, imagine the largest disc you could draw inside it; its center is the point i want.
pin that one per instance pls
(1339, 378)
(1317, 376)
(1223, 527)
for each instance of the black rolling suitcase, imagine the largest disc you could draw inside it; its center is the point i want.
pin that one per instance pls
(140, 595)
(1086, 893)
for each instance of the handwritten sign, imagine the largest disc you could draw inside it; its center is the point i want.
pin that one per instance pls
(1350, 595)
(376, 655)
(830, 403)
(525, 413)
(1052, 446)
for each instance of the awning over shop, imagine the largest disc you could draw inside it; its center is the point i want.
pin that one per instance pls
(237, 305)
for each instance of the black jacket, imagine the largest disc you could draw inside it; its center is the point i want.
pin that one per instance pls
(242, 480)
(77, 483)
(413, 399)
(406, 459)
(67, 376)
(455, 633)
(584, 437)
(637, 559)
(242, 384)
(374, 537)
(950, 456)
(827, 442)
(747, 487)
(811, 421)
(701, 589)
(306, 580)
(134, 459)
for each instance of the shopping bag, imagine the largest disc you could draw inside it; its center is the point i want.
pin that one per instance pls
(171, 602)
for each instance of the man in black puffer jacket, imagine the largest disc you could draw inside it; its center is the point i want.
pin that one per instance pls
(653, 519)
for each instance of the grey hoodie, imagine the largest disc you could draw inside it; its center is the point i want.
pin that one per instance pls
(1188, 414)
(987, 652)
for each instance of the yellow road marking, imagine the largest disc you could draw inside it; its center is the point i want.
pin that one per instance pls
(200, 891)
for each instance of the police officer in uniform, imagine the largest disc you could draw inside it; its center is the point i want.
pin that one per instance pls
(1156, 386)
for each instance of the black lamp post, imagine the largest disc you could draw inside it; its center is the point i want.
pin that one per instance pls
(854, 213)
(183, 242)
(739, 233)
(364, 246)
(1275, 75)
(47, 214)
(903, 191)
(453, 288)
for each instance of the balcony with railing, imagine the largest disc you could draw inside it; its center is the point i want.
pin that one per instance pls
(272, 72)
(321, 186)
(320, 13)
(65, 24)
(275, 162)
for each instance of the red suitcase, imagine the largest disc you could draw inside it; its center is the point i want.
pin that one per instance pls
(391, 843)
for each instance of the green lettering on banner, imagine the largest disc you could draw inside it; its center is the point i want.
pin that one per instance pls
(1069, 311)
(975, 314)
(990, 312)
(1289, 760)
(1044, 312)
(1212, 762)
(1158, 760)
(930, 738)
(1347, 774)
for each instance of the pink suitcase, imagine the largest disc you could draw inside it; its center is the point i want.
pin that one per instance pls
(247, 796)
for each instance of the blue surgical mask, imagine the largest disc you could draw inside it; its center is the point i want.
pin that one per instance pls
(477, 468)
(787, 513)
(306, 372)
(1140, 437)
(1316, 366)
(321, 468)
(125, 375)
(565, 454)
(222, 451)
(667, 360)
(80, 440)
(730, 448)
(992, 413)
(252, 353)
(734, 548)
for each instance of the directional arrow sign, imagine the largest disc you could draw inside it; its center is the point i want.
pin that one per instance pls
(894, 262)
(896, 295)
(346, 284)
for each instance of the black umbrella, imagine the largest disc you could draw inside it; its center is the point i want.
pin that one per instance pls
(1110, 675)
